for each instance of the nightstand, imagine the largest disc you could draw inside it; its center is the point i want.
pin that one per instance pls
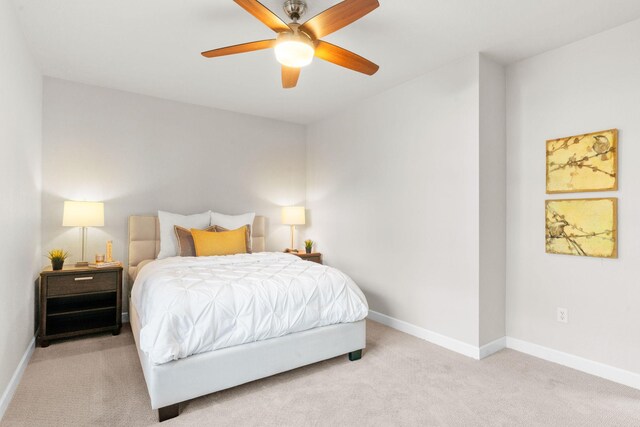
(313, 256)
(79, 300)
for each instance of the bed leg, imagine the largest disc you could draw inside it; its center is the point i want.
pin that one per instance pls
(168, 412)
(355, 355)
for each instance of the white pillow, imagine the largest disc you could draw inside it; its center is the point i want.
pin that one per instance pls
(231, 222)
(168, 240)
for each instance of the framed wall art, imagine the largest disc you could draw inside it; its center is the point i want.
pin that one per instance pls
(584, 227)
(583, 163)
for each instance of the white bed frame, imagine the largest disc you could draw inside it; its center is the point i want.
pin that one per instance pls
(198, 375)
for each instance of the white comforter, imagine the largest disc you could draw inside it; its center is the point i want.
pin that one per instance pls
(193, 305)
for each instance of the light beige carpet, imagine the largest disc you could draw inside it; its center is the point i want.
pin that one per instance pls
(401, 380)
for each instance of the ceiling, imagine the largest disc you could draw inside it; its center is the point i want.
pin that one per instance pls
(153, 47)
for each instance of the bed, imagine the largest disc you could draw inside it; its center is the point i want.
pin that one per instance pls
(172, 382)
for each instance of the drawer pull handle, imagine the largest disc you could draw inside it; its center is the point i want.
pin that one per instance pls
(78, 279)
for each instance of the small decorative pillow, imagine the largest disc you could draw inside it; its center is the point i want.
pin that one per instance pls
(248, 237)
(219, 243)
(185, 240)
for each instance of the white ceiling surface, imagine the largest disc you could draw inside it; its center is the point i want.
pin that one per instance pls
(153, 47)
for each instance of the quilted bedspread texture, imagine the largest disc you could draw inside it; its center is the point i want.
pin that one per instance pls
(191, 305)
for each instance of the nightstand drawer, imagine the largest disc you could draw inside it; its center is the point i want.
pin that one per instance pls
(82, 283)
(313, 258)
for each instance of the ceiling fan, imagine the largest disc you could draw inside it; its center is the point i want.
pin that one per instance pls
(296, 44)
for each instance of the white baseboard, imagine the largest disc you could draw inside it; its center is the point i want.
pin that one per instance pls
(427, 335)
(15, 379)
(492, 347)
(598, 369)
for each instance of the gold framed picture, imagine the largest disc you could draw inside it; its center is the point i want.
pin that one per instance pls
(583, 163)
(584, 227)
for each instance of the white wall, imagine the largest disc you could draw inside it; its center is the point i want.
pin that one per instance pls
(139, 154)
(20, 170)
(493, 209)
(407, 195)
(392, 189)
(590, 85)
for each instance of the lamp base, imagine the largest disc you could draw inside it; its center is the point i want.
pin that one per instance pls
(82, 264)
(289, 250)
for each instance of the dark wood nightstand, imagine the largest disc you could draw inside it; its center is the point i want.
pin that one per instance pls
(79, 300)
(313, 256)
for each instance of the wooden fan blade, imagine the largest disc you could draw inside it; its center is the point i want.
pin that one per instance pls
(290, 77)
(344, 58)
(337, 17)
(264, 15)
(240, 48)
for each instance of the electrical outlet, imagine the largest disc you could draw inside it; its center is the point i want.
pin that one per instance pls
(562, 315)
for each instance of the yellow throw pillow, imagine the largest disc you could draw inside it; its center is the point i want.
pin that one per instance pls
(220, 243)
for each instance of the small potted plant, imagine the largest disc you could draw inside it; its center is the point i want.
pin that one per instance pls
(308, 245)
(57, 257)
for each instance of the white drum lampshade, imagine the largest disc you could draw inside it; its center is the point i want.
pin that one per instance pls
(83, 214)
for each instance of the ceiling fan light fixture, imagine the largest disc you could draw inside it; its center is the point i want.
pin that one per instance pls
(294, 50)
(296, 44)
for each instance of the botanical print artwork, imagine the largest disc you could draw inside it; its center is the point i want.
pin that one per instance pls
(583, 163)
(586, 227)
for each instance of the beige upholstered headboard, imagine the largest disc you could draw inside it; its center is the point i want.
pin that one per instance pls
(144, 240)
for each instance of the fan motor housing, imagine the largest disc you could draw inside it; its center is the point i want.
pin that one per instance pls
(295, 9)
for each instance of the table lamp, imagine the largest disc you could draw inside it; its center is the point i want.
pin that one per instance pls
(293, 215)
(83, 214)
